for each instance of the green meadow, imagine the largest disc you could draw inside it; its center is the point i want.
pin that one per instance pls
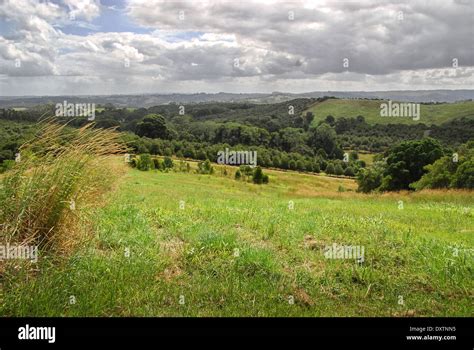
(185, 244)
(370, 109)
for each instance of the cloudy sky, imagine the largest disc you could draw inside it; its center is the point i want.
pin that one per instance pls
(59, 47)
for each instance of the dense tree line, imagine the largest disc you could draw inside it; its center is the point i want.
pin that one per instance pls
(356, 134)
(266, 157)
(283, 125)
(283, 135)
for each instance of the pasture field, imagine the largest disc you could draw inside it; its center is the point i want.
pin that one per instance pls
(370, 109)
(368, 158)
(184, 244)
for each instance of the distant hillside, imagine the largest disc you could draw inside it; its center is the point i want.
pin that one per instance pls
(370, 110)
(149, 100)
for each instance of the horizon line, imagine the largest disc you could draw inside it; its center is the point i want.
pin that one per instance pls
(232, 93)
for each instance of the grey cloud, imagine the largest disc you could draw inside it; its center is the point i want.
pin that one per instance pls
(270, 47)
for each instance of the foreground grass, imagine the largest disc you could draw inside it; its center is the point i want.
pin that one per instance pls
(173, 244)
(370, 109)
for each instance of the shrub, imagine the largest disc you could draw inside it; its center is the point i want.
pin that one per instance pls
(205, 167)
(338, 169)
(145, 162)
(330, 168)
(246, 170)
(259, 177)
(238, 175)
(349, 171)
(168, 152)
(183, 166)
(157, 164)
(168, 163)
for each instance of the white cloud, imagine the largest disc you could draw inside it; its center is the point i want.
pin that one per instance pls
(286, 46)
(83, 9)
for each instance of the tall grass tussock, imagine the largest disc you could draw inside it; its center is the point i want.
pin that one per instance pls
(61, 172)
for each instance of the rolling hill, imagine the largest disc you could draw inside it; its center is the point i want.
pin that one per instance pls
(370, 110)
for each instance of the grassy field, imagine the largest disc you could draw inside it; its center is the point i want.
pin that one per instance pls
(370, 110)
(368, 158)
(182, 244)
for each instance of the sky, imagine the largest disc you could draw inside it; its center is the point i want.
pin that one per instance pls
(77, 47)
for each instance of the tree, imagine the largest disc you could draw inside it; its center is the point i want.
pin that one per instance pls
(406, 162)
(153, 126)
(349, 171)
(322, 153)
(168, 152)
(292, 164)
(106, 123)
(353, 156)
(285, 161)
(329, 169)
(439, 174)
(370, 179)
(316, 167)
(291, 138)
(276, 161)
(201, 154)
(308, 119)
(257, 175)
(449, 171)
(300, 165)
(464, 176)
(338, 169)
(324, 137)
(189, 152)
(330, 120)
